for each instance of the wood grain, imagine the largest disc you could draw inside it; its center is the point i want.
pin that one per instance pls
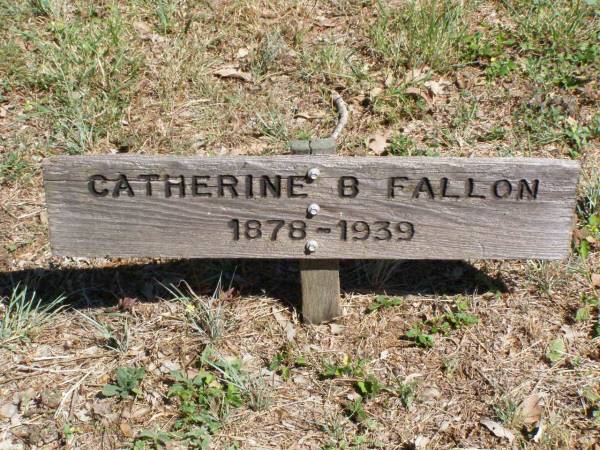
(188, 227)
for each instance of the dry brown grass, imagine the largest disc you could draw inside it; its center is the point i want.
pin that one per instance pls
(171, 102)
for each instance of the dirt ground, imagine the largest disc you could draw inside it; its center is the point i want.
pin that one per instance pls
(427, 354)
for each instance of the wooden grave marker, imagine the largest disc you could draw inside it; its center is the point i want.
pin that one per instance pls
(317, 209)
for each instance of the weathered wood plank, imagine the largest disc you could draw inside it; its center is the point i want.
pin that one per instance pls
(437, 208)
(320, 280)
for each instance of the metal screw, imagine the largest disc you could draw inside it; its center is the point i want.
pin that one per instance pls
(314, 173)
(313, 209)
(311, 246)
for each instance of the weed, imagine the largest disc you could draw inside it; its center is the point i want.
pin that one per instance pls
(592, 404)
(382, 302)
(273, 125)
(205, 316)
(345, 368)
(13, 166)
(165, 9)
(500, 68)
(558, 37)
(507, 411)
(206, 399)
(545, 275)
(368, 386)
(406, 392)
(284, 361)
(147, 439)
(268, 54)
(355, 410)
(83, 69)
(423, 32)
(23, 312)
(556, 350)
(331, 62)
(113, 340)
(494, 134)
(127, 380)
(395, 103)
(422, 333)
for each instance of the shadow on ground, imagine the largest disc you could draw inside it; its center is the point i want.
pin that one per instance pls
(95, 287)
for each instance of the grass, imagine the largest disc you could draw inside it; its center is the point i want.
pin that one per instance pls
(82, 69)
(24, 312)
(519, 79)
(422, 33)
(118, 341)
(205, 315)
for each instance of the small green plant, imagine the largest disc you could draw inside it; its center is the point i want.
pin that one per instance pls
(13, 166)
(506, 411)
(422, 333)
(127, 383)
(585, 313)
(284, 361)
(419, 336)
(406, 391)
(155, 440)
(23, 312)
(383, 302)
(113, 340)
(355, 410)
(206, 399)
(592, 404)
(204, 315)
(556, 350)
(368, 386)
(500, 68)
(345, 368)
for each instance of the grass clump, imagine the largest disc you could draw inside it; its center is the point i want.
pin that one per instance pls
(558, 39)
(111, 339)
(24, 312)
(82, 66)
(423, 32)
(204, 315)
(13, 166)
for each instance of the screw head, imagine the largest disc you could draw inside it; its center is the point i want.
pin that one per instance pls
(313, 173)
(313, 209)
(312, 246)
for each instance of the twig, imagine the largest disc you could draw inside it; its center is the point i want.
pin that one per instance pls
(340, 105)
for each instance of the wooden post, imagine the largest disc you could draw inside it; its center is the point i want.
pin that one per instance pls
(320, 278)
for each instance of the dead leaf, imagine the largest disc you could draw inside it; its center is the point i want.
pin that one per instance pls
(378, 143)
(126, 430)
(437, 87)
(596, 279)
(232, 72)
(145, 32)
(126, 304)
(242, 53)
(325, 22)
(497, 429)
(531, 410)
(415, 75)
(421, 443)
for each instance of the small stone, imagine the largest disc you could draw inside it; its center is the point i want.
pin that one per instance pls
(8, 410)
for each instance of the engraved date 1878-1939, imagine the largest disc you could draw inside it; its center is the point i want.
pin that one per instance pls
(359, 230)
